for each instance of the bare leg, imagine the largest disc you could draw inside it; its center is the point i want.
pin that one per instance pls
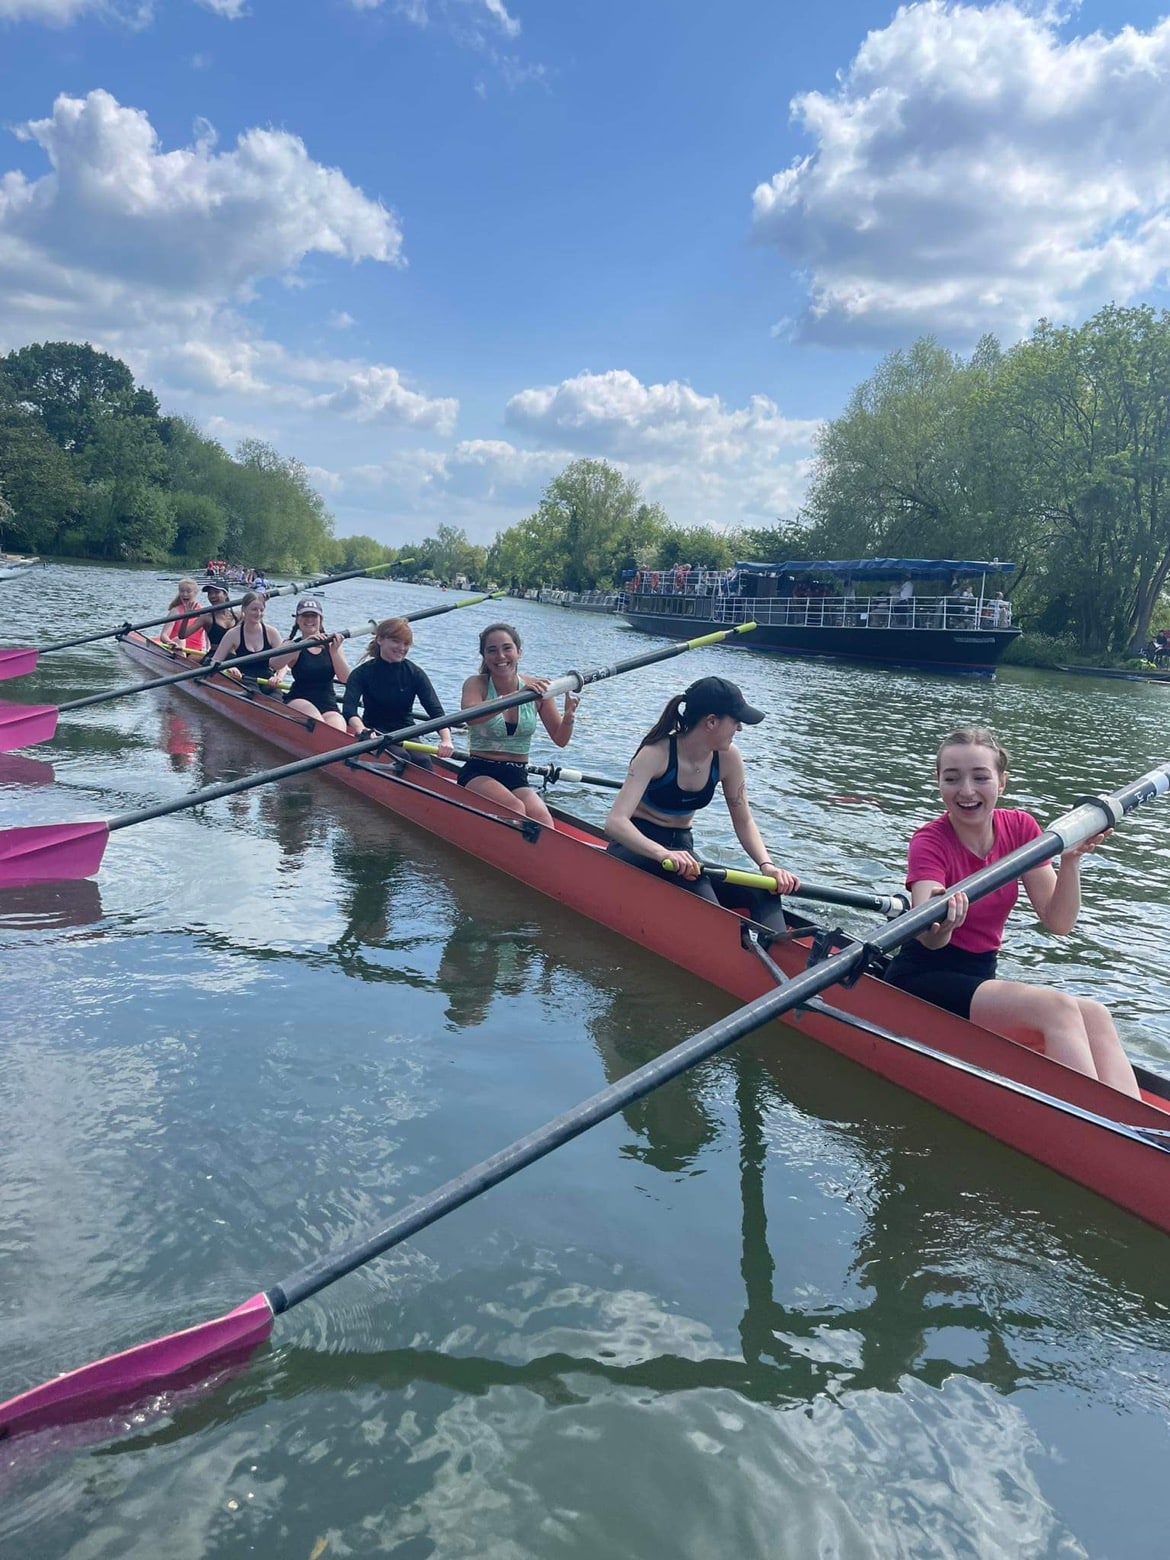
(1113, 1066)
(494, 791)
(1055, 1020)
(534, 806)
(329, 718)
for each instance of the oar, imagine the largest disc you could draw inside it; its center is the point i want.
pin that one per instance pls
(22, 725)
(16, 661)
(128, 1376)
(857, 898)
(552, 772)
(58, 851)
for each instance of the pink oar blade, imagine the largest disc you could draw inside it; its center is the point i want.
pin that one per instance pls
(51, 852)
(123, 1379)
(16, 662)
(23, 725)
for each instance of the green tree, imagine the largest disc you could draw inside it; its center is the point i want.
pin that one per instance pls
(1084, 415)
(75, 390)
(698, 545)
(36, 477)
(590, 525)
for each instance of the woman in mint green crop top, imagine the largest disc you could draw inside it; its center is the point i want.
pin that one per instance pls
(499, 744)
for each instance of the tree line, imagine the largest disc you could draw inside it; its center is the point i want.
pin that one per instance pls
(90, 468)
(1053, 454)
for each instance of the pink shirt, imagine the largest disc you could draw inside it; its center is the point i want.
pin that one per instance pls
(937, 855)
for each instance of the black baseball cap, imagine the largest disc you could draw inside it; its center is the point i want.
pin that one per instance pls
(216, 585)
(717, 696)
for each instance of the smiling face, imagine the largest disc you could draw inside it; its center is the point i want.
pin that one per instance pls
(391, 647)
(254, 611)
(970, 783)
(501, 655)
(309, 623)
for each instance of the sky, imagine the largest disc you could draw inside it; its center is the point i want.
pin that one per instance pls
(438, 249)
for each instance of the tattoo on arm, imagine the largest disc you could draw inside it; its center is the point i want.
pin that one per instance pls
(738, 796)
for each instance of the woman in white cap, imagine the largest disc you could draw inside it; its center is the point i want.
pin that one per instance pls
(688, 751)
(315, 668)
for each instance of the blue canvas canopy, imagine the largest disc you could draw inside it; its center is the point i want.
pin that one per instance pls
(882, 568)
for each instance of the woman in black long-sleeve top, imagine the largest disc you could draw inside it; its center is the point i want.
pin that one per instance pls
(386, 685)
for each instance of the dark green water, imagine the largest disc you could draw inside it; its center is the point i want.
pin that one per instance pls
(778, 1310)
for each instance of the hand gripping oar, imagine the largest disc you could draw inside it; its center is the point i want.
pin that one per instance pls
(857, 898)
(23, 725)
(552, 772)
(59, 851)
(123, 1378)
(16, 661)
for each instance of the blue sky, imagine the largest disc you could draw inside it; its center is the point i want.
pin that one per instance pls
(437, 249)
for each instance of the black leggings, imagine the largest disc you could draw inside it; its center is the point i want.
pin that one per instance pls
(756, 903)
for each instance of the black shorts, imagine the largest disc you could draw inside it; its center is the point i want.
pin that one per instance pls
(512, 776)
(948, 977)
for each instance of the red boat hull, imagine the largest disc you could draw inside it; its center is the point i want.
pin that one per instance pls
(569, 864)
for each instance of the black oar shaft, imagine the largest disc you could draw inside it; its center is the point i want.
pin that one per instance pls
(854, 898)
(287, 647)
(571, 681)
(1090, 817)
(199, 610)
(562, 1129)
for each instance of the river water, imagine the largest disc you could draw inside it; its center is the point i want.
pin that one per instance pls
(779, 1309)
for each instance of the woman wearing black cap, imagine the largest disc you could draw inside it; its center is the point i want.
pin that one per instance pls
(220, 619)
(314, 669)
(687, 752)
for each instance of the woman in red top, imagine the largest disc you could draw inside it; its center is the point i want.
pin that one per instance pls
(186, 632)
(954, 963)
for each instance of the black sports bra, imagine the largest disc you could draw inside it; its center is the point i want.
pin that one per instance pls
(665, 796)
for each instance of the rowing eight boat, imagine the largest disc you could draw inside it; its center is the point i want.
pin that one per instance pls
(1117, 1146)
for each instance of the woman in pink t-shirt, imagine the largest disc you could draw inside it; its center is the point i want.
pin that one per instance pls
(953, 965)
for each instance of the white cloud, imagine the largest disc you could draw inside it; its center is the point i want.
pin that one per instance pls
(615, 414)
(153, 255)
(193, 220)
(60, 13)
(508, 25)
(376, 393)
(478, 25)
(973, 171)
(340, 320)
(232, 9)
(462, 16)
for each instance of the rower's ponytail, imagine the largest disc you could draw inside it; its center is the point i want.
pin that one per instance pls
(669, 724)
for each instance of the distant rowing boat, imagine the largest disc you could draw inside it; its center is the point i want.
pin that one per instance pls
(1117, 1146)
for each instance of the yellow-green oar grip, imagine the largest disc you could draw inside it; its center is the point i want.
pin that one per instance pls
(724, 633)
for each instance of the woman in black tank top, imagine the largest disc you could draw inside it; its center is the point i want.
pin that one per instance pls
(314, 668)
(220, 619)
(686, 753)
(251, 634)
